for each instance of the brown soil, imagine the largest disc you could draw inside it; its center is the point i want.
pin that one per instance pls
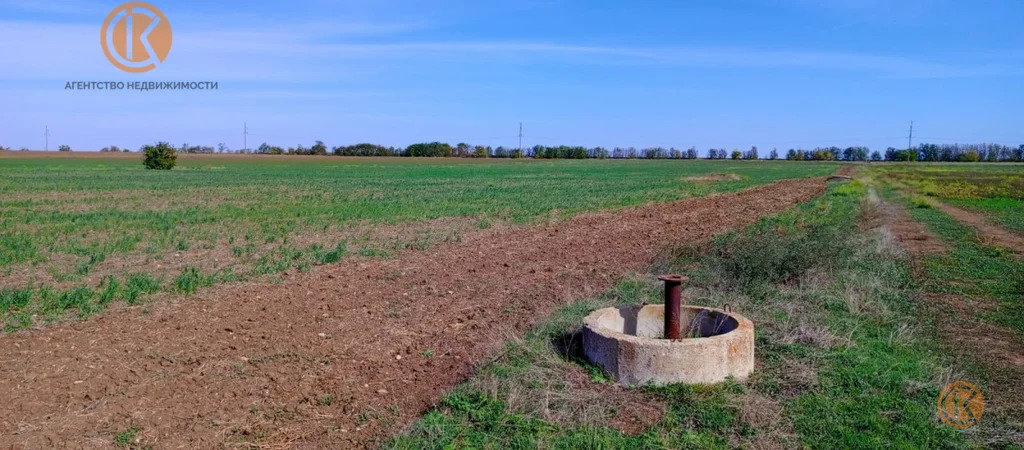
(912, 235)
(254, 363)
(846, 171)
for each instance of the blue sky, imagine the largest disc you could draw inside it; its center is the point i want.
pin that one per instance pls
(781, 73)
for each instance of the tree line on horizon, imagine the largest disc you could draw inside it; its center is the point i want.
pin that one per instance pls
(923, 152)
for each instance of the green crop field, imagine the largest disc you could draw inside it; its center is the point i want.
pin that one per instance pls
(79, 232)
(993, 189)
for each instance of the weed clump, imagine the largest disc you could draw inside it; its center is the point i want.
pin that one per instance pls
(781, 250)
(127, 438)
(745, 260)
(192, 279)
(14, 298)
(139, 284)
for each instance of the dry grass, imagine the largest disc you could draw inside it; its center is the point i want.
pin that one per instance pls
(713, 177)
(557, 390)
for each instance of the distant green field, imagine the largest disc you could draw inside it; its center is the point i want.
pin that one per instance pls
(79, 231)
(996, 190)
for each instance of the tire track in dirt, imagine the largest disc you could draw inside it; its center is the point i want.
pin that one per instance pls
(956, 316)
(989, 234)
(341, 357)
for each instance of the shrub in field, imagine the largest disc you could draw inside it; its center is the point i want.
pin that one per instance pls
(160, 156)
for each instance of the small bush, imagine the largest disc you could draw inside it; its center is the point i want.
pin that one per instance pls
(161, 156)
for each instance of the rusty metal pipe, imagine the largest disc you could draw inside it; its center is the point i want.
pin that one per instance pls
(673, 295)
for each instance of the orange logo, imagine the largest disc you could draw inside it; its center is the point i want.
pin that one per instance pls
(961, 404)
(136, 37)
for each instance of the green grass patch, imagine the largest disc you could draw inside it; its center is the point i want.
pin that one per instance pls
(15, 299)
(138, 285)
(192, 279)
(1006, 212)
(971, 267)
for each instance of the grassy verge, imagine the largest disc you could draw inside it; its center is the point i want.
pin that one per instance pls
(970, 267)
(843, 361)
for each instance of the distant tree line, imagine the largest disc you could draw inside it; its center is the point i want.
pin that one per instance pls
(923, 152)
(113, 149)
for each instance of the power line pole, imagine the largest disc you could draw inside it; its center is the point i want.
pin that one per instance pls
(245, 137)
(520, 138)
(47, 135)
(910, 138)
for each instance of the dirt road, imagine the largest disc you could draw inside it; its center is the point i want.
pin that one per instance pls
(339, 357)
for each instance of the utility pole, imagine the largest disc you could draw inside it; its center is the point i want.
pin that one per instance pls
(245, 137)
(520, 138)
(47, 135)
(910, 138)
